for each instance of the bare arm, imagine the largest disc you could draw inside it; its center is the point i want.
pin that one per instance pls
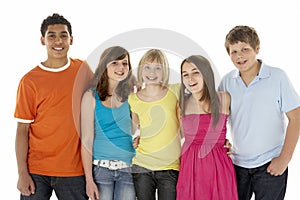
(87, 140)
(25, 183)
(178, 111)
(135, 125)
(279, 164)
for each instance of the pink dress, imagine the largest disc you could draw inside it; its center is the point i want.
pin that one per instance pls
(206, 171)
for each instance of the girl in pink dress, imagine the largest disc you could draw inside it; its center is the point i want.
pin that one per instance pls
(206, 171)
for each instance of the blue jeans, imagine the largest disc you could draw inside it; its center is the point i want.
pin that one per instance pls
(65, 188)
(262, 184)
(146, 182)
(114, 184)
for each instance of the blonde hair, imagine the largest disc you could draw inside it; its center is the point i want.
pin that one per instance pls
(154, 56)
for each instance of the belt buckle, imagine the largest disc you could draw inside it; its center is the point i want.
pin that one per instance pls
(114, 164)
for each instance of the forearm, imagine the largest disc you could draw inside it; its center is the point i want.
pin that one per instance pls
(290, 142)
(21, 147)
(87, 163)
(292, 135)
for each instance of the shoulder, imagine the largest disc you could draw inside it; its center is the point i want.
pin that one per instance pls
(89, 93)
(273, 70)
(131, 97)
(175, 88)
(76, 60)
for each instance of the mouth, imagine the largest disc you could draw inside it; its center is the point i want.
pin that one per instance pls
(193, 85)
(58, 49)
(120, 73)
(241, 62)
(151, 78)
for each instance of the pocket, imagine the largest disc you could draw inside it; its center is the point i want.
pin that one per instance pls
(173, 174)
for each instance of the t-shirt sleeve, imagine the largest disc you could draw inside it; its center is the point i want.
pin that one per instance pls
(175, 88)
(25, 110)
(131, 102)
(289, 97)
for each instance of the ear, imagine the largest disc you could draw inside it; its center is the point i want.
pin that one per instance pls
(42, 40)
(257, 49)
(71, 40)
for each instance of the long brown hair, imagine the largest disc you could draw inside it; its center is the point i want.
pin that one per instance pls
(100, 80)
(209, 93)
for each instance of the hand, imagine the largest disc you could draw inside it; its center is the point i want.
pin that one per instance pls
(26, 185)
(92, 190)
(277, 166)
(136, 142)
(228, 146)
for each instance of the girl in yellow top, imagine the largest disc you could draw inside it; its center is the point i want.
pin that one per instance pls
(155, 110)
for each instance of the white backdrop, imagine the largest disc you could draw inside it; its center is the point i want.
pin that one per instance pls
(93, 22)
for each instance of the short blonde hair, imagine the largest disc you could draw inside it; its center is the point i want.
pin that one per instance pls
(154, 56)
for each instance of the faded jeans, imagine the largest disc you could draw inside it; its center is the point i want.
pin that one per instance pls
(114, 184)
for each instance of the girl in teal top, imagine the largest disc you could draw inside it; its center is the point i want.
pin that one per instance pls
(106, 129)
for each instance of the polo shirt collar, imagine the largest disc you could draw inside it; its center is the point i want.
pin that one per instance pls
(264, 71)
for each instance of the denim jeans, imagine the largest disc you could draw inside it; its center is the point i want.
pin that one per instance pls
(262, 184)
(146, 182)
(114, 184)
(65, 188)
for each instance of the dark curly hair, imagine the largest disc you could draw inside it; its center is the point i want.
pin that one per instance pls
(55, 19)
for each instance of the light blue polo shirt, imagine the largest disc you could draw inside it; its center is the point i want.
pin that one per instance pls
(257, 119)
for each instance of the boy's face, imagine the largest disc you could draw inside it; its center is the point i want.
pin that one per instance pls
(57, 41)
(243, 56)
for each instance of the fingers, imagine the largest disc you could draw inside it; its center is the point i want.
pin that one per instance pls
(27, 189)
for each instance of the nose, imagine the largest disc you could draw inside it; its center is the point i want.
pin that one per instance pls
(240, 54)
(58, 40)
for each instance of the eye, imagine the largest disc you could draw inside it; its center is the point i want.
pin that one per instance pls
(51, 36)
(233, 52)
(147, 67)
(245, 49)
(64, 36)
(114, 62)
(125, 64)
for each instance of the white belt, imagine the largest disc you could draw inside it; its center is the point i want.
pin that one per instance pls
(111, 164)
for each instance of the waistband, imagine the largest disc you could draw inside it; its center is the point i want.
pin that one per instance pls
(111, 164)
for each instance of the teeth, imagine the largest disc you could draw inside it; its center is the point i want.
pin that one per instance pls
(58, 49)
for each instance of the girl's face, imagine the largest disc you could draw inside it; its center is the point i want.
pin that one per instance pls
(117, 70)
(243, 56)
(192, 78)
(152, 73)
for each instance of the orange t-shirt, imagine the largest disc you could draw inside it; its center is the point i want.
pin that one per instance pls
(49, 99)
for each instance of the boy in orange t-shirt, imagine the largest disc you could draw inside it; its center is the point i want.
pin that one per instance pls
(47, 111)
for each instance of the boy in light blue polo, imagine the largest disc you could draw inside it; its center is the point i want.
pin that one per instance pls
(261, 97)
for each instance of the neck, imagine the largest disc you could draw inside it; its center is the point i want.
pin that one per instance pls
(55, 63)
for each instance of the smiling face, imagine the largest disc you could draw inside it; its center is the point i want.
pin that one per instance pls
(243, 56)
(57, 41)
(117, 70)
(152, 73)
(192, 78)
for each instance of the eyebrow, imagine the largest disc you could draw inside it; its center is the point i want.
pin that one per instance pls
(51, 32)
